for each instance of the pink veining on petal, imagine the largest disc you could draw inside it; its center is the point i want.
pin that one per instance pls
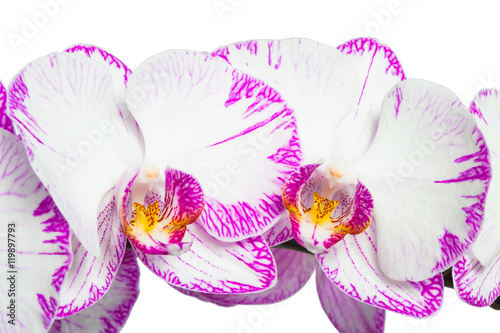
(435, 124)
(43, 231)
(240, 219)
(360, 216)
(53, 159)
(90, 277)
(89, 50)
(111, 312)
(245, 87)
(346, 313)
(185, 190)
(294, 270)
(361, 45)
(250, 45)
(18, 93)
(118, 67)
(477, 112)
(56, 225)
(222, 53)
(431, 289)
(271, 61)
(280, 232)
(128, 277)
(5, 121)
(352, 265)
(363, 208)
(481, 169)
(210, 265)
(451, 246)
(49, 308)
(476, 284)
(291, 192)
(397, 94)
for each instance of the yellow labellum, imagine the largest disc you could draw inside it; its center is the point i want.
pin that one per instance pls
(321, 209)
(148, 218)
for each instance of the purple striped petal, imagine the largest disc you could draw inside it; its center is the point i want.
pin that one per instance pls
(353, 267)
(119, 71)
(64, 109)
(34, 244)
(476, 284)
(111, 312)
(486, 109)
(379, 70)
(317, 81)
(477, 275)
(280, 232)
(233, 133)
(90, 277)
(294, 270)
(126, 127)
(428, 172)
(213, 266)
(347, 314)
(5, 121)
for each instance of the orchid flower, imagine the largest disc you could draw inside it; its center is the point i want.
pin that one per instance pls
(185, 157)
(476, 276)
(35, 241)
(394, 174)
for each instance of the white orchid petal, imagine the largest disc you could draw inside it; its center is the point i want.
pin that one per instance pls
(280, 232)
(346, 313)
(118, 69)
(5, 121)
(233, 133)
(294, 270)
(63, 107)
(317, 82)
(111, 312)
(476, 284)
(126, 135)
(352, 265)
(90, 277)
(486, 108)
(34, 244)
(379, 70)
(427, 171)
(214, 266)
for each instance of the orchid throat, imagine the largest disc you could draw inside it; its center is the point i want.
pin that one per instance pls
(152, 214)
(324, 208)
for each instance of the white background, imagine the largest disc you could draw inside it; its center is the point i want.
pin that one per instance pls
(453, 43)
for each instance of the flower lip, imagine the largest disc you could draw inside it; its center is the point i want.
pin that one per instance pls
(155, 214)
(321, 210)
(335, 211)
